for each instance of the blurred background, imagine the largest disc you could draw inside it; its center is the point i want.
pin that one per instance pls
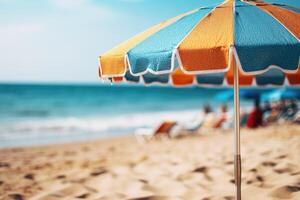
(49, 88)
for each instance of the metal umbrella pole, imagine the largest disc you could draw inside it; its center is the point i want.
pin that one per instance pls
(237, 155)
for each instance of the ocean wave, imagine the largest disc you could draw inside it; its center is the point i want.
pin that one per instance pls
(86, 125)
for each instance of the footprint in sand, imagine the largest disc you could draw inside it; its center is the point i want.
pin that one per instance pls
(4, 165)
(286, 167)
(83, 196)
(285, 192)
(253, 179)
(260, 178)
(61, 176)
(229, 162)
(200, 169)
(16, 196)
(269, 164)
(204, 171)
(98, 172)
(228, 198)
(143, 181)
(142, 198)
(253, 170)
(281, 157)
(29, 176)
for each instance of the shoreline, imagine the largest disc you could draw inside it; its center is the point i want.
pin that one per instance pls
(62, 143)
(191, 167)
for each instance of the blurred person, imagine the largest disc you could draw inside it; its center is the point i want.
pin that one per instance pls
(199, 120)
(274, 114)
(266, 107)
(222, 118)
(255, 118)
(208, 119)
(244, 118)
(294, 105)
(202, 120)
(291, 110)
(283, 109)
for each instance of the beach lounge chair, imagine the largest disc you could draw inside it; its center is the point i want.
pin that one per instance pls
(162, 131)
(189, 128)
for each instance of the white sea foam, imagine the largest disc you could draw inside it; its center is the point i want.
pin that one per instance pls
(124, 123)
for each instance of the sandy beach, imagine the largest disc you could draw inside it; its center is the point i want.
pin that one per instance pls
(192, 167)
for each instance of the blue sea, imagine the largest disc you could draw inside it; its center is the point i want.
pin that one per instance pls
(35, 114)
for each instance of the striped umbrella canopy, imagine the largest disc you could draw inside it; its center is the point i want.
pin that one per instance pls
(231, 42)
(199, 47)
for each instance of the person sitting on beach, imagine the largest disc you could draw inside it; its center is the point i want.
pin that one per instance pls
(244, 117)
(283, 109)
(222, 118)
(266, 107)
(255, 118)
(289, 111)
(293, 107)
(273, 115)
(202, 120)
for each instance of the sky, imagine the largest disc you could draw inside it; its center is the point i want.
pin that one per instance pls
(60, 40)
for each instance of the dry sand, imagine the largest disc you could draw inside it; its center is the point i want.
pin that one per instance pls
(191, 168)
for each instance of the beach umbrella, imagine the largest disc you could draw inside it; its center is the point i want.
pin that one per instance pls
(234, 43)
(280, 94)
